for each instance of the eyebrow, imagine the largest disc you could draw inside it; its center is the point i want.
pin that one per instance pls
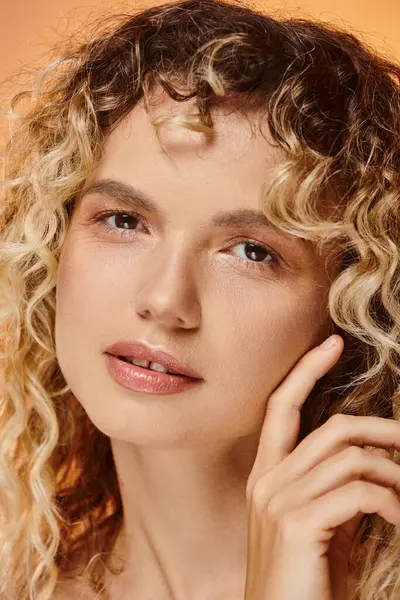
(244, 217)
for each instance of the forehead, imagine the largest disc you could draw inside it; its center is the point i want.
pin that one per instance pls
(189, 173)
(238, 151)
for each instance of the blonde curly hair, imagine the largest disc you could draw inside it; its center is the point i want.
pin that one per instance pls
(333, 105)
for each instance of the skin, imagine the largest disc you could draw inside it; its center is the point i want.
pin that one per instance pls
(183, 461)
(306, 502)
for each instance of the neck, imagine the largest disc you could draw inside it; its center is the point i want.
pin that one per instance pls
(184, 535)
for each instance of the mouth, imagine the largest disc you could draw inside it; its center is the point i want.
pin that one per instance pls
(148, 365)
(152, 358)
(151, 378)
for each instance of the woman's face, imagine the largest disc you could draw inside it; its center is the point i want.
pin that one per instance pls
(240, 316)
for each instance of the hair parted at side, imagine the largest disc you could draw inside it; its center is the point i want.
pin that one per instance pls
(333, 105)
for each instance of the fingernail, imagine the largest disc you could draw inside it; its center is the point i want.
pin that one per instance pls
(329, 343)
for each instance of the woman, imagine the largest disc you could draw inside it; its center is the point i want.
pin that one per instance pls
(225, 251)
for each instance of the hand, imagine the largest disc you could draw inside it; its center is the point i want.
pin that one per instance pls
(305, 503)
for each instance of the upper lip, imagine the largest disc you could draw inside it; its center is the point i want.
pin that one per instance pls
(136, 349)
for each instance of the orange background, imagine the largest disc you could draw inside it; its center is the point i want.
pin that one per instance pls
(29, 27)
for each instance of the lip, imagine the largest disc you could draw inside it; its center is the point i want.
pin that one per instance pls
(133, 377)
(141, 350)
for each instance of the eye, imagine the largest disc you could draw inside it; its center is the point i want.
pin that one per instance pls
(122, 219)
(255, 255)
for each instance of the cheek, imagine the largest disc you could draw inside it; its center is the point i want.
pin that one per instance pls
(82, 315)
(267, 341)
(78, 304)
(85, 282)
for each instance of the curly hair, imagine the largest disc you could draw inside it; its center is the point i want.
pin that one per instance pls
(333, 105)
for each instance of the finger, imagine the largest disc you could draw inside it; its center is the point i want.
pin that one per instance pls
(351, 464)
(281, 425)
(354, 523)
(339, 432)
(317, 521)
(379, 452)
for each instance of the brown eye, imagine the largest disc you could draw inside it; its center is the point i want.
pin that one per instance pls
(118, 222)
(255, 255)
(124, 221)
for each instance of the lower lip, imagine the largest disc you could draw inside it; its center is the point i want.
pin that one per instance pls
(139, 379)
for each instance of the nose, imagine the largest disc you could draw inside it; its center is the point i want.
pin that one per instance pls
(168, 290)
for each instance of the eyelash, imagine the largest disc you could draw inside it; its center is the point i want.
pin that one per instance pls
(101, 218)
